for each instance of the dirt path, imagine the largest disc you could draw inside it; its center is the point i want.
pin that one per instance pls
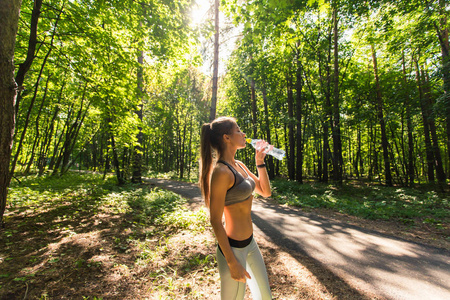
(366, 262)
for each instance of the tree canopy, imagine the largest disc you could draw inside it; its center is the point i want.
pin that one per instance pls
(349, 89)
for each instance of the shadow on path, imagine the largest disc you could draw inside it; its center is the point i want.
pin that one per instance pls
(374, 263)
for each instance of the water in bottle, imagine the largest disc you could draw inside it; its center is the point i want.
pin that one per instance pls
(275, 152)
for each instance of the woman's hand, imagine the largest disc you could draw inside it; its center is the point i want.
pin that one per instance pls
(238, 272)
(261, 151)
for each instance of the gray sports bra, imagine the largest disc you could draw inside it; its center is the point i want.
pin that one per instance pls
(242, 188)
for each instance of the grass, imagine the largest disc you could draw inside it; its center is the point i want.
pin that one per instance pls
(174, 176)
(405, 205)
(79, 237)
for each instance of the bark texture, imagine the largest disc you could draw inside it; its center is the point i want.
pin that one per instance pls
(9, 17)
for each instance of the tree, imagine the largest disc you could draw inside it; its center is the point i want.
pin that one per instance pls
(9, 17)
(32, 43)
(25, 66)
(212, 114)
(337, 143)
(137, 151)
(381, 119)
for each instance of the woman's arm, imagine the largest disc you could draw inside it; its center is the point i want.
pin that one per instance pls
(221, 181)
(262, 181)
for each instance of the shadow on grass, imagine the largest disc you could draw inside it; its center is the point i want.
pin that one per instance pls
(71, 246)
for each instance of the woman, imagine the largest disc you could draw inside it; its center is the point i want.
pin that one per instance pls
(227, 188)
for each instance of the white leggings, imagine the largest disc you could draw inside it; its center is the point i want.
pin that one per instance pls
(250, 257)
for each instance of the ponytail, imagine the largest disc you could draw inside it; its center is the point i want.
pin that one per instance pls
(205, 161)
(212, 139)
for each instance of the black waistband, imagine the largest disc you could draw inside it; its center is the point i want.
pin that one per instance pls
(238, 244)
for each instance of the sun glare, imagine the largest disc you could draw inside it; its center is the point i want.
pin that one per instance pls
(199, 11)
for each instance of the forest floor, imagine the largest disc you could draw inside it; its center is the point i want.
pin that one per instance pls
(84, 244)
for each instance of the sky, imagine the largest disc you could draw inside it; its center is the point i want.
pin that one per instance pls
(201, 12)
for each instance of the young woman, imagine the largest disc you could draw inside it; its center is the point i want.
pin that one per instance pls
(227, 186)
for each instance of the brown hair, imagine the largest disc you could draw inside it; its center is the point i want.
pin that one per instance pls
(212, 140)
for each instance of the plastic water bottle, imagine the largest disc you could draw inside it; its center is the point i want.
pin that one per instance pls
(275, 152)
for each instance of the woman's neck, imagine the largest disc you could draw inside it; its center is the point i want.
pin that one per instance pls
(228, 156)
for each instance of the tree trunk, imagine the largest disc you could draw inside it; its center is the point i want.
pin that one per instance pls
(268, 137)
(182, 152)
(429, 103)
(408, 104)
(106, 155)
(190, 149)
(325, 83)
(177, 140)
(371, 157)
(27, 121)
(9, 18)
(403, 155)
(32, 42)
(392, 157)
(94, 149)
(325, 157)
(358, 159)
(56, 146)
(426, 126)
(137, 150)
(319, 152)
(277, 163)
(115, 157)
(37, 137)
(328, 119)
(299, 106)
(67, 133)
(384, 140)
(212, 114)
(442, 33)
(291, 157)
(78, 124)
(20, 76)
(72, 136)
(31, 159)
(336, 128)
(119, 173)
(254, 108)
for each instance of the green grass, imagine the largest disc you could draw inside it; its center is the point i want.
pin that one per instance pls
(370, 202)
(148, 223)
(150, 206)
(172, 175)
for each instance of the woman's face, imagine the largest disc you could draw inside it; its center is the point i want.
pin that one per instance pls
(237, 137)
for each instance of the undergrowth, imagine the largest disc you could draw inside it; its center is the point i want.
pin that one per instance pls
(150, 226)
(370, 202)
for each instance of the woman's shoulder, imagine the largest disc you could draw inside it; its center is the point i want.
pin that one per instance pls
(221, 170)
(221, 173)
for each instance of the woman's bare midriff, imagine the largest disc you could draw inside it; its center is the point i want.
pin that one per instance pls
(238, 220)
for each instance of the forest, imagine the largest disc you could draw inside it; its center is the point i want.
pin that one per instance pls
(349, 89)
(101, 106)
